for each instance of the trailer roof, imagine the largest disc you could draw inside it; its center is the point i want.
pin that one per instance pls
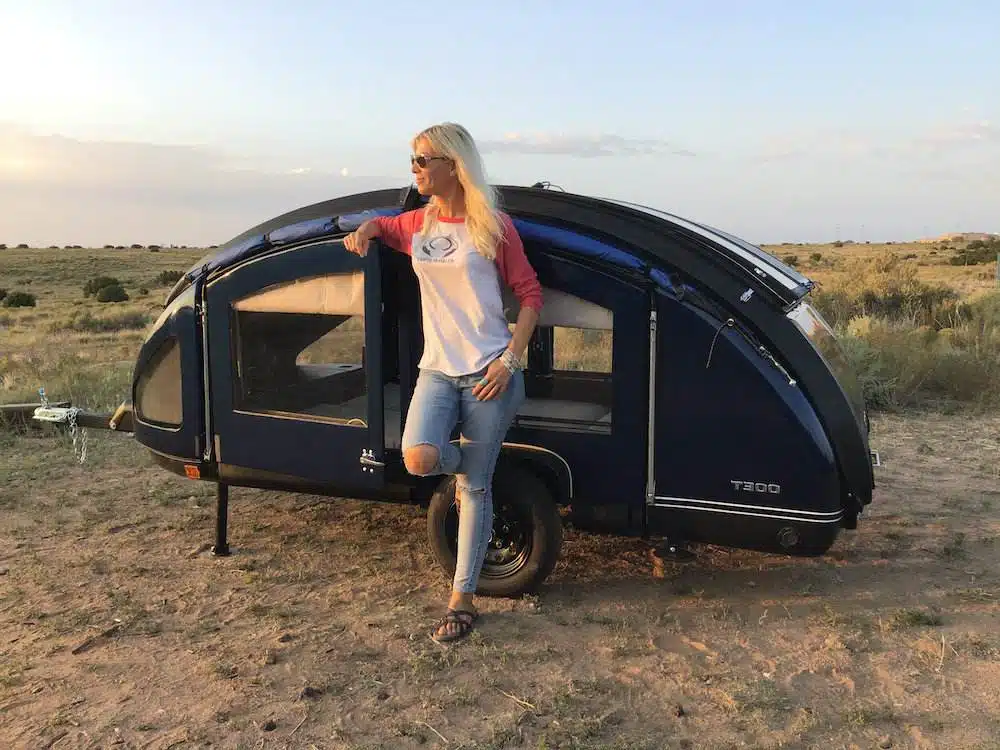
(581, 224)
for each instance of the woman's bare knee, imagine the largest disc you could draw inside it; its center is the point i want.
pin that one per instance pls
(421, 460)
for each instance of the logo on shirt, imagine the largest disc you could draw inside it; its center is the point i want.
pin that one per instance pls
(437, 248)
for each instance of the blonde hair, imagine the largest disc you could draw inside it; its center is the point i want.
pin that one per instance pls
(482, 218)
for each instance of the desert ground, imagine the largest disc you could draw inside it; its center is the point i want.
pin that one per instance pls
(120, 629)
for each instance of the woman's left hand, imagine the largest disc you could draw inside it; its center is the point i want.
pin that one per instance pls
(494, 382)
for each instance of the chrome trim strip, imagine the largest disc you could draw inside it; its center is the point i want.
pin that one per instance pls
(154, 426)
(563, 425)
(569, 471)
(651, 433)
(773, 508)
(177, 459)
(699, 509)
(296, 417)
(206, 374)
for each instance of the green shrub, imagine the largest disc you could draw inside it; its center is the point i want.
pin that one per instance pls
(991, 244)
(889, 288)
(3, 293)
(87, 322)
(976, 252)
(168, 278)
(911, 342)
(19, 299)
(816, 257)
(985, 310)
(900, 365)
(96, 284)
(112, 293)
(791, 260)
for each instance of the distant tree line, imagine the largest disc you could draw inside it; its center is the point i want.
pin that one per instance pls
(135, 246)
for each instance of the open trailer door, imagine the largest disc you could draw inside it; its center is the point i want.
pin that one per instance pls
(296, 373)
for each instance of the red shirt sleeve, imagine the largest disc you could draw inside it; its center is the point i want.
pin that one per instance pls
(397, 231)
(515, 269)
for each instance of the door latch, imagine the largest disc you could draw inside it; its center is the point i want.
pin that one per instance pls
(369, 461)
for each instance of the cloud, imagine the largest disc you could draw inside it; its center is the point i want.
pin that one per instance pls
(58, 190)
(820, 143)
(557, 144)
(958, 135)
(941, 140)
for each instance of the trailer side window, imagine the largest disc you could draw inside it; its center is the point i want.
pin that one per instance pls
(568, 371)
(581, 349)
(158, 390)
(300, 349)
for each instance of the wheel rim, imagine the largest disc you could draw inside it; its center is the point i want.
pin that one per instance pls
(510, 544)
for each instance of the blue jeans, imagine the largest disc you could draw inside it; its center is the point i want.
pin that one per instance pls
(440, 402)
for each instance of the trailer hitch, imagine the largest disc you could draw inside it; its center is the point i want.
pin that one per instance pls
(79, 420)
(66, 415)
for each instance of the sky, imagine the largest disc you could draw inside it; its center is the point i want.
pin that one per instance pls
(183, 122)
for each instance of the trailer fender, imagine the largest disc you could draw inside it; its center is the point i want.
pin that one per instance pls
(551, 468)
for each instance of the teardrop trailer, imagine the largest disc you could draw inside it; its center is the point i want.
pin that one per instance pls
(679, 384)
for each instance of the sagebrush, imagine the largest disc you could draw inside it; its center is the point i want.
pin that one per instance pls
(912, 341)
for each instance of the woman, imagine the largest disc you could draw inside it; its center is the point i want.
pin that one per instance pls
(462, 249)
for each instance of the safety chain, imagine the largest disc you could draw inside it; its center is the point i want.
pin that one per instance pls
(78, 433)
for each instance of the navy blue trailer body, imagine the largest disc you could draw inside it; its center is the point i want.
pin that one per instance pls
(679, 383)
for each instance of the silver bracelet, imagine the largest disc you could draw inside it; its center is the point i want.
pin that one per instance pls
(510, 361)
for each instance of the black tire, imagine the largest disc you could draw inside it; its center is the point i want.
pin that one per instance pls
(527, 532)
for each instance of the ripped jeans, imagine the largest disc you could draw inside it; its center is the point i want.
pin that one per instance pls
(439, 403)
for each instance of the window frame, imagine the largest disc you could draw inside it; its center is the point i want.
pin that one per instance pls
(239, 392)
(543, 345)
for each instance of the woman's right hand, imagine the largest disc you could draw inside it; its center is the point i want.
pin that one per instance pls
(357, 241)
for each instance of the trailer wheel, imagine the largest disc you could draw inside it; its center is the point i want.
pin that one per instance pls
(527, 532)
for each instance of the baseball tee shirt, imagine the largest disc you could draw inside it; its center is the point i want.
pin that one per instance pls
(464, 324)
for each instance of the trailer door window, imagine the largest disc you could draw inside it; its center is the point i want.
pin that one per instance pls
(568, 371)
(300, 349)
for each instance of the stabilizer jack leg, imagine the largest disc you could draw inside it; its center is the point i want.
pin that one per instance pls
(674, 550)
(221, 547)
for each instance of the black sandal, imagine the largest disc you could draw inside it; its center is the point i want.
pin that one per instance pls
(461, 617)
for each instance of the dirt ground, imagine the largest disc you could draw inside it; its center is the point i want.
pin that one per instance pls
(118, 628)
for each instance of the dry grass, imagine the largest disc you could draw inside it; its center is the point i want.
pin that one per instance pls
(576, 349)
(71, 344)
(930, 259)
(918, 329)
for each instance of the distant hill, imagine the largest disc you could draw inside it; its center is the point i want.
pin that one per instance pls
(962, 237)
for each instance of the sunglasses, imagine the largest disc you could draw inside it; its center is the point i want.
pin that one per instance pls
(422, 161)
